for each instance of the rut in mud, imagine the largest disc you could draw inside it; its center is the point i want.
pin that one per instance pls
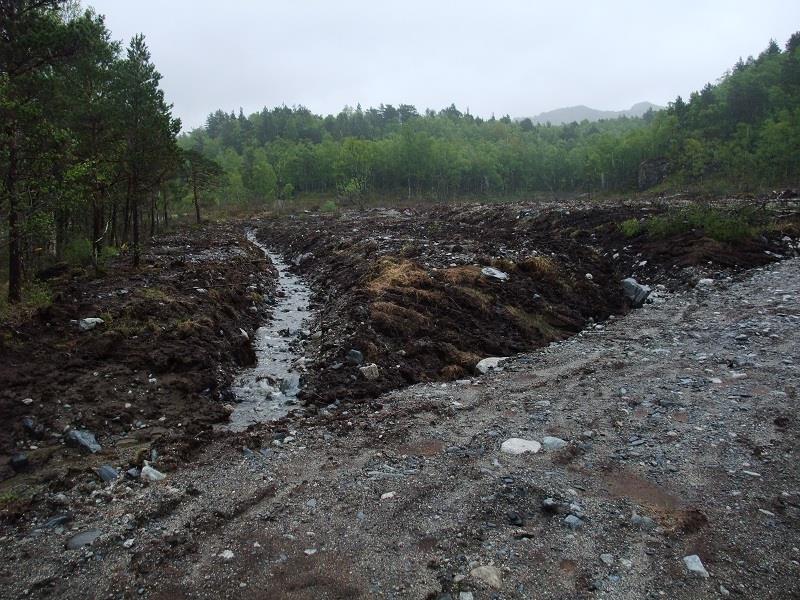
(269, 389)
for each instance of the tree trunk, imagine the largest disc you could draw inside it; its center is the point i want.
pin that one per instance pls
(196, 200)
(164, 196)
(152, 214)
(14, 233)
(98, 217)
(135, 214)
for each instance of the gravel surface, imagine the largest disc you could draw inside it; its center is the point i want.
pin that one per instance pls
(678, 479)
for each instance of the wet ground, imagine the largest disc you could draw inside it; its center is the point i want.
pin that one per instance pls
(680, 428)
(267, 390)
(398, 299)
(408, 291)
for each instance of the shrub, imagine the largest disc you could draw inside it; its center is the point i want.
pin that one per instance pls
(78, 252)
(630, 227)
(717, 223)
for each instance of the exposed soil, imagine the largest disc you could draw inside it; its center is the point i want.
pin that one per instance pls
(683, 413)
(155, 372)
(405, 288)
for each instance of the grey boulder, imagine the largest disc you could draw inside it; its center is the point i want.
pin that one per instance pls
(635, 291)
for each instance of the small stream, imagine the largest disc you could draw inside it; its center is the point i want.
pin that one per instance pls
(268, 390)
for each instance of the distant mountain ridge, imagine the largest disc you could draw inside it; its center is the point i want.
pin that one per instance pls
(569, 114)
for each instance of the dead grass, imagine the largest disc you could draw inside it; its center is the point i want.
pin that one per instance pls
(404, 278)
(398, 274)
(388, 315)
(534, 324)
(541, 265)
(466, 274)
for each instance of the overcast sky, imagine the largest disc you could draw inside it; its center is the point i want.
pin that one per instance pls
(517, 57)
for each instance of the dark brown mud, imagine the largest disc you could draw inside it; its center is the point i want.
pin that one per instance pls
(154, 373)
(406, 289)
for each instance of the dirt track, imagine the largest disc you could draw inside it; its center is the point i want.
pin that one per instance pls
(708, 381)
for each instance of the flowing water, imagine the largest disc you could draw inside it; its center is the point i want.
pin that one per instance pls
(268, 390)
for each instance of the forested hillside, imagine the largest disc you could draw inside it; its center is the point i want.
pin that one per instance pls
(741, 134)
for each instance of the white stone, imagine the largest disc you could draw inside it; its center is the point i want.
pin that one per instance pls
(520, 446)
(387, 496)
(488, 364)
(489, 575)
(494, 273)
(150, 474)
(226, 554)
(694, 565)
(370, 372)
(89, 323)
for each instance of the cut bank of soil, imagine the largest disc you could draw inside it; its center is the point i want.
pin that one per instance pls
(406, 290)
(157, 369)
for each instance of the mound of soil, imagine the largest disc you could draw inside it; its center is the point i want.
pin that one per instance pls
(154, 372)
(408, 291)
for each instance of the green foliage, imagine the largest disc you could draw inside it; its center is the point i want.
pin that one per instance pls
(329, 206)
(717, 223)
(88, 141)
(744, 131)
(78, 252)
(36, 295)
(630, 227)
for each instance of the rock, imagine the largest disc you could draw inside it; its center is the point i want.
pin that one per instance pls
(290, 384)
(85, 440)
(493, 273)
(551, 505)
(19, 462)
(634, 291)
(370, 372)
(488, 364)
(589, 276)
(355, 357)
(27, 401)
(128, 543)
(489, 575)
(57, 521)
(151, 474)
(520, 446)
(695, 566)
(705, 282)
(553, 443)
(33, 428)
(226, 554)
(607, 559)
(642, 522)
(465, 596)
(388, 496)
(89, 323)
(573, 522)
(310, 551)
(84, 538)
(133, 473)
(107, 473)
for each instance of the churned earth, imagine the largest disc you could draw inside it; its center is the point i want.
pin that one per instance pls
(663, 433)
(681, 430)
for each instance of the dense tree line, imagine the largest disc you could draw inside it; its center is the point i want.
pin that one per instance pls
(88, 151)
(742, 133)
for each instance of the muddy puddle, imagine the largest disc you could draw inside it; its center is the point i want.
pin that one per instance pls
(268, 390)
